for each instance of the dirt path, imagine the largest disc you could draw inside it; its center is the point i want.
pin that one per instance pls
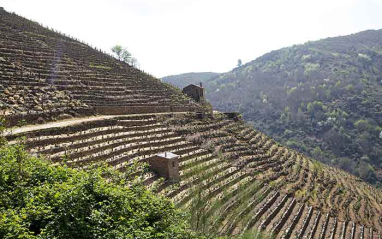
(74, 121)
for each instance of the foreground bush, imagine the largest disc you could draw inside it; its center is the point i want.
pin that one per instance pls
(38, 200)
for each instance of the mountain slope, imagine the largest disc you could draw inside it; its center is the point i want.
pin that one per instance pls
(185, 79)
(323, 98)
(232, 177)
(45, 74)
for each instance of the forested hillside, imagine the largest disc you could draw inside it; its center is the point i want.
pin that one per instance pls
(185, 79)
(323, 98)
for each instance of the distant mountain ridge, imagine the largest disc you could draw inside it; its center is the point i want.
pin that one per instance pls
(323, 98)
(185, 79)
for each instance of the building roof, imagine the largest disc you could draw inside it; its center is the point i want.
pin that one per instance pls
(193, 85)
(167, 155)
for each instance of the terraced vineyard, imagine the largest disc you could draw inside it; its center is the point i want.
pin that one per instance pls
(236, 178)
(44, 74)
(246, 179)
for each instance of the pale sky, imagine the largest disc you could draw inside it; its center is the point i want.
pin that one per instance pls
(178, 36)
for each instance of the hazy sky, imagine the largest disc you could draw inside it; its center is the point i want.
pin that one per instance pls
(178, 36)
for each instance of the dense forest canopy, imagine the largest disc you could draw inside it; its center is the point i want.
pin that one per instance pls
(323, 98)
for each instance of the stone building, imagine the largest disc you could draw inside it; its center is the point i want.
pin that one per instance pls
(194, 91)
(166, 165)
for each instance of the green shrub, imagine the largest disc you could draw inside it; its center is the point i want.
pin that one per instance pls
(252, 234)
(38, 200)
(362, 125)
(311, 67)
(2, 129)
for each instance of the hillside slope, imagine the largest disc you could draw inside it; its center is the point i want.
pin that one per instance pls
(323, 98)
(185, 79)
(233, 178)
(45, 74)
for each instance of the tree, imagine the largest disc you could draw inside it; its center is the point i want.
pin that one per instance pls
(134, 62)
(300, 116)
(362, 125)
(317, 153)
(122, 53)
(347, 164)
(239, 63)
(366, 171)
(310, 109)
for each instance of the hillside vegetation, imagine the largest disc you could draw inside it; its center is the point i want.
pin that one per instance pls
(233, 178)
(41, 200)
(323, 98)
(44, 200)
(185, 79)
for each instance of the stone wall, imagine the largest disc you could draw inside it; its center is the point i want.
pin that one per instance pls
(142, 109)
(43, 117)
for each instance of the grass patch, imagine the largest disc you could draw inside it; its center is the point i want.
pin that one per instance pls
(99, 66)
(34, 34)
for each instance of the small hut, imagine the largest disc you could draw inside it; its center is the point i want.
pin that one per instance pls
(194, 91)
(166, 165)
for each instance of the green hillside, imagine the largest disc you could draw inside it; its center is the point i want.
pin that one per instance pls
(323, 98)
(185, 79)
